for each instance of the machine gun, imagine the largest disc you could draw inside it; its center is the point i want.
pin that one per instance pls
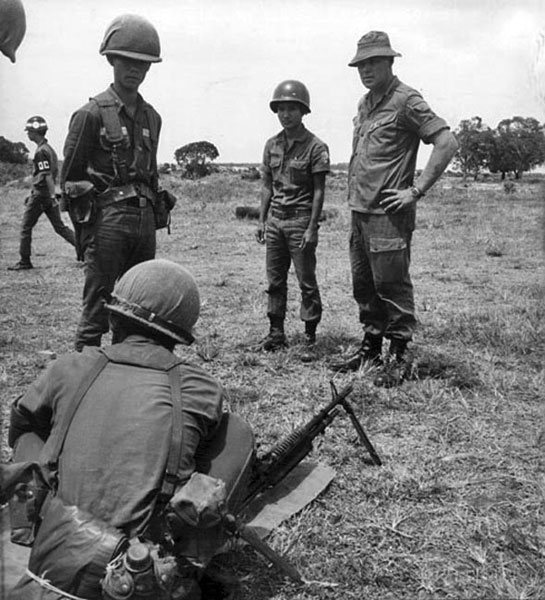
(271, 468)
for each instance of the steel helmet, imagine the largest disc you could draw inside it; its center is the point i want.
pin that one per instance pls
(290, 91)
(161, 295)
(12, 27)
(132, 36)
(36, 123)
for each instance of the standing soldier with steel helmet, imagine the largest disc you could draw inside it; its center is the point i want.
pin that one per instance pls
(109, 176)
(42, 199)
(295, 164)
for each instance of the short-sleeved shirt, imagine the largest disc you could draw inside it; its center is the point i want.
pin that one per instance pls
(88, 152)
(385, 144)
(291, 165)
(45, 163)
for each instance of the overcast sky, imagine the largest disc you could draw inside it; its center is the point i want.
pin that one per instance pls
(223, 58)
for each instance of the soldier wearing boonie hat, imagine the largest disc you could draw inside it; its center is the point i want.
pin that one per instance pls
(391, 121)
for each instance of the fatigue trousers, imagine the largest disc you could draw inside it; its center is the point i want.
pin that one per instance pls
(35, 207)
(380, 254)
(122, 236)
(283, 239)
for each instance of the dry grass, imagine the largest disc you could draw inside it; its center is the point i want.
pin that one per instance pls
(456, 511)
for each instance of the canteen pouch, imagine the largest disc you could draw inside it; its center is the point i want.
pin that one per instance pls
(29, 492)
(80, 197)
(73, 548)
(162, 207)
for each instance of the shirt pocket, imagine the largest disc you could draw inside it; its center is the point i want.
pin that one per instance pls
(299, 174)
(382, 136)
(275, 163)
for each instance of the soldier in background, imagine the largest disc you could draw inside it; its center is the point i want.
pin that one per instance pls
(295, 164)
(42, 199)
(382, 194)
(109, 175)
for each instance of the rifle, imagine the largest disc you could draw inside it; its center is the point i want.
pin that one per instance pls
(271, 468)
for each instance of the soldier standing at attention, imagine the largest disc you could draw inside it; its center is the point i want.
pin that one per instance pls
(392, 119)
(42, 199)
(295, 164)
(109, 175)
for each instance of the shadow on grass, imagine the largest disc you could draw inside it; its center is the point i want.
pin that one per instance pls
(431, 364)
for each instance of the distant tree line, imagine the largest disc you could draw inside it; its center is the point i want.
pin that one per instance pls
(195, 159)
(515, 146)
(13, 152)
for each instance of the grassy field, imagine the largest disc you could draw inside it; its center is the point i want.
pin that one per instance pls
(457, 509)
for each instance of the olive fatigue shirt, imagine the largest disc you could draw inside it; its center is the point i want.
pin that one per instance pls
(291, 165)
(387, 134)
(116, 449)
(88, 153)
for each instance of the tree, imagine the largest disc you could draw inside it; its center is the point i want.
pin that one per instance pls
(195, 158)
(476, 142)
(13, 152)
(519, 146)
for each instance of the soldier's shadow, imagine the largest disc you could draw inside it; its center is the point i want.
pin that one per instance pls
(245, 574)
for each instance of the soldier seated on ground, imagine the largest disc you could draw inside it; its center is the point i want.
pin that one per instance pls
(126, 428)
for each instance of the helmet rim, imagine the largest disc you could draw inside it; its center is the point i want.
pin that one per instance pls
(134, 55)
(138, 313)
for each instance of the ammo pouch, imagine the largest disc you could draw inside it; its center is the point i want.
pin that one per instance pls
(80, 199)
(162, 207)
(194, 518)
(73, 548)
(29, 491)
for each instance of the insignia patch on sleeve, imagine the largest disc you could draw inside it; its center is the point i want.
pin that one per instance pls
(43, 165)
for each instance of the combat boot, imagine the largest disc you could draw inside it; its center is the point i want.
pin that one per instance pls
(369, 352)
(22, 265)
(308, 354)
(395, 368)
(310, 333)
(276, 338)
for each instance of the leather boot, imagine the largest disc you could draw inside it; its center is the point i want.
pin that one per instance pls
(395, 369)
(276, 338)
(369, 352)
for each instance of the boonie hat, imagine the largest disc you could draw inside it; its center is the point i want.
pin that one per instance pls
(374, 43)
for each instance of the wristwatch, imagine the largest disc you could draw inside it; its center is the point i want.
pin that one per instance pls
(417, 194)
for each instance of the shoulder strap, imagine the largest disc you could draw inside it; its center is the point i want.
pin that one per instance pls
(85, 384)
(110, 118)
(170, 478)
